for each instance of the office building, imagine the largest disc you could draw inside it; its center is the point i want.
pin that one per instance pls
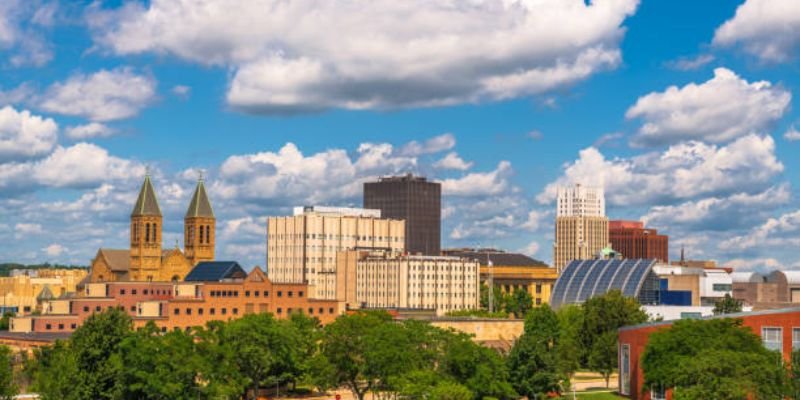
(414, 200)
(581, 225)
(390, 280)
(302, 248)
(511, 272)
(633, 240)
(212, 291)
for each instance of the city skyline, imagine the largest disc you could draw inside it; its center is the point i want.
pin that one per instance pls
(691, 129)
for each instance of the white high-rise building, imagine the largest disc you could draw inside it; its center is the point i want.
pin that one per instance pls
(581, 225)
(581, 201)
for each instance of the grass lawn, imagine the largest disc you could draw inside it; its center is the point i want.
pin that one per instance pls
(593, 396)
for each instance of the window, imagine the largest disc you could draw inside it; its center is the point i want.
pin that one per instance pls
(538, 288)
(97, 308)
(290, 294)
(280, 293)
(280, 310)
(330, 310)
(133, 308)
(73, 326)
(772, 338)
(199, 311)
(300, 294)
(61, 327)
(122, 292)
(658, 393)
(255, 293)
(224, 311)
(177, 311)
(691, 315)
(212, 311)
(795, 338)
(266, 293)
(246, 293)
(235, 311)
(133, 291)
(48, 327)
(145, 292)
(722, 287)
(85, 308)
(188, 311)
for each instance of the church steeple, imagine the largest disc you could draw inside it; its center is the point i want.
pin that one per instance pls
(146, 224)
(199, 227)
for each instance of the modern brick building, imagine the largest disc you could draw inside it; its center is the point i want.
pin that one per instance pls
(778, 329)
(212, 291)
(302, 248)
(633, 240)
(383, 279)
(581, 225)
(414, 200)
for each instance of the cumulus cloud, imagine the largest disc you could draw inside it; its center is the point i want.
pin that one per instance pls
(24, 135)
(433, 145)
(792, 134)
(385, 54)
(682, 171)
(90, 130)
(719, 213)
(54, 250)
(531, 249)
(781, 231)
(767, 29)
(480, 183)
(721, 109)
(453, 161)
(22, 31)
(103, 96)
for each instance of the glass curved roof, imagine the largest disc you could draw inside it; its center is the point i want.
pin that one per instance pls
(584, 279)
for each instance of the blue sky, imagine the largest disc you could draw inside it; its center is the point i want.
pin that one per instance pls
(682, 110)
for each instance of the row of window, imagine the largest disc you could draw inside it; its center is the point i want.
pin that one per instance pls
(254, 293)
(155, 292)
(49, 327)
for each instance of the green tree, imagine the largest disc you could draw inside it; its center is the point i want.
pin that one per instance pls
(306, 333)
(794, 376)
(428, 384)
(8, 387)
(500, 299)
(570, 351)
(534, 359)
(519, 303)
(160, 367)
(4, 321)
(94, 344)
(53, 370)
(603, 355)
(712, 359)
(602, 316)
(482, 370)
(727, 305)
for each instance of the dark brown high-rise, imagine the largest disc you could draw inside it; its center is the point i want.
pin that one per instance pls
(415, 200)
(633, 240)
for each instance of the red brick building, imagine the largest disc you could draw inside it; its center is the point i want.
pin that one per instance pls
(633, 240)
(778, 329)
(212, 291)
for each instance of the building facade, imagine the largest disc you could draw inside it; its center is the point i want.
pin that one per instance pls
(707, 285)
(217, 291)
(510, 272)
(147, 259)
(778, 329)
(414, 200)
(775, 289)
(24, 289)
(302, 248)
(581, 228)
(384, 279)
(633, 240)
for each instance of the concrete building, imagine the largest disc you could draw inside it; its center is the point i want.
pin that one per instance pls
(24, 290)
(633, 240)
(581, 225)
(512, 271)
(384, 279)
(769, 290)
(412, 199)
(707, 286)
(778, 329)
(213, 291)
(302, 248)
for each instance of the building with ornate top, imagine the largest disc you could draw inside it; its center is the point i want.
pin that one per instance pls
(146, 259)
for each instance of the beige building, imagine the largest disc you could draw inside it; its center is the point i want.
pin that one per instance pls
(302, 248)
(385, 279)
(26, 289)
(581, 225)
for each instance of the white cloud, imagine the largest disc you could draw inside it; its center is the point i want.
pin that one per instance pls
(782, 231)
(436, 144)
(767, 29)
(480, 183)
(90, 130)
(535, 135)
(531, 249)
(536, 218)
(181, 91)
(453, 161)
(384, 53)
(792, 134)
(54, 250)
(609, 139)
(689, 64)
(103, 96)
(681, 172)
(754, 264)
(721, 109)
(21, 31)
(24, 229)
(719, 213)
(83, 165)
(24, 135)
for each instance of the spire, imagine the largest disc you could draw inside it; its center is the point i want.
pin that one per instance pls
(683, 260)
(146, 203)
(200, 206)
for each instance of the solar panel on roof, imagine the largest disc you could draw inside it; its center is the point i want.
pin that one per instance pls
(213, 271)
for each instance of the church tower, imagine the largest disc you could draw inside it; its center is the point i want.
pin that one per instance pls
(146, 223)
(199, 227)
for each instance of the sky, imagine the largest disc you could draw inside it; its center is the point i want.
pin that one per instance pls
(681, 110)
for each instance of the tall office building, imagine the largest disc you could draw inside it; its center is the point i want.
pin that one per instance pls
(302, 248)
(415, 200)
(633, 240)
(581, 225)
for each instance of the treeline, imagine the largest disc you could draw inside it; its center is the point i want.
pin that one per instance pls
(5, 268)
(364, 352)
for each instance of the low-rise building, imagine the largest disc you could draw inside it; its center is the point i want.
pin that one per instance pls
(385, 279)
(510, 272)
(23, 290)
(211, 291)
(707, 285)
(767, 290)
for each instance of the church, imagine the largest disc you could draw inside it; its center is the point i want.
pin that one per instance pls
(147, 260)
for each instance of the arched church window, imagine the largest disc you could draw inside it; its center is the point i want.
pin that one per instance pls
(208, 234)
(147, 233)
(201, 234)
(155, 233)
